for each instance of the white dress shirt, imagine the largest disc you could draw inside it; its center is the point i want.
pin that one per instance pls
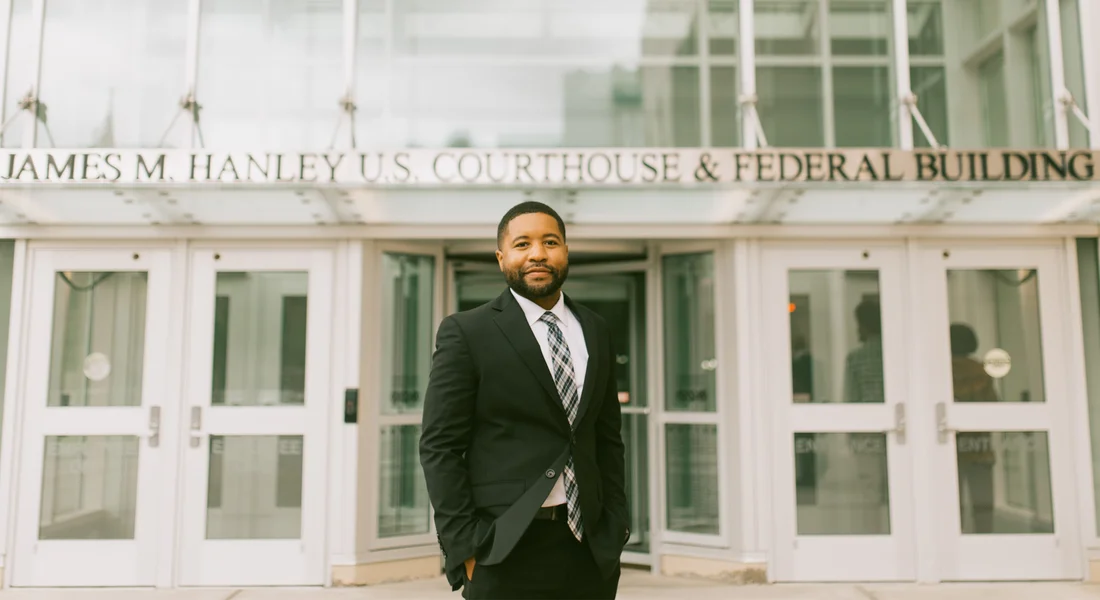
(578, 352)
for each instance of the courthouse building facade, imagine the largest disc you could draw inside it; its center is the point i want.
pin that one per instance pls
(847, 249)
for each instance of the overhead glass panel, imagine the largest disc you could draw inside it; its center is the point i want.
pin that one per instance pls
(112, 71)
(20, 76)
(1074, 61)
(271, 73)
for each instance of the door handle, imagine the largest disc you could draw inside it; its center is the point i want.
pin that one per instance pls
(900, 422)
(154, 426)
(942, 430)
(196, 426)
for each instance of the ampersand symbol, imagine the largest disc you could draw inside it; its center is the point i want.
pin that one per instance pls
(705, 169)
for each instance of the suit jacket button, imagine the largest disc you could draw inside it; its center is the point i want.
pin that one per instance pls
(550, 473)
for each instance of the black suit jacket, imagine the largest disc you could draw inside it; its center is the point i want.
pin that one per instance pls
(495, 437)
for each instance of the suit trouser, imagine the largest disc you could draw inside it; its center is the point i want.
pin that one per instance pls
(547, 562)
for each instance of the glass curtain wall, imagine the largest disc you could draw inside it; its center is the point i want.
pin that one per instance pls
(537, 73)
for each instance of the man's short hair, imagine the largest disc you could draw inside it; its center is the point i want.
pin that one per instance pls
(527, 208)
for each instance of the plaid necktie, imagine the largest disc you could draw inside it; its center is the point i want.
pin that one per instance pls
(567, 389)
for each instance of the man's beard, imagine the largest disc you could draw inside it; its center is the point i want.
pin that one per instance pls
(517, 282)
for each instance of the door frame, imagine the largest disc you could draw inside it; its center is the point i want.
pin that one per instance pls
(1071, 420)
(897, 549)
(1062, 366)
(15, 413)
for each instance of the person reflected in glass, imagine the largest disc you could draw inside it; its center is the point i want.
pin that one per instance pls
(863, 380)
(975, 449)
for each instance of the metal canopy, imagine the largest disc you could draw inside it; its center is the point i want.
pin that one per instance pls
(1019, 203)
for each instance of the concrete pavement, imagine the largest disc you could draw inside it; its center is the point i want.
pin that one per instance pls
(633, 586)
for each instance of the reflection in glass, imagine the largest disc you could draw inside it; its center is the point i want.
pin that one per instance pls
(842, 484)
(787, 27)
(833, 312)
(20, 73)
(986, 65)
(691, 464)
(723, 27)
(725, 112)
(97, 354)
(620, 29)
(435, 105)
(260, 339)
(112, 71)
(270, 73)
(791, 105)
(863, 100)
(689, 330)
(254, 488)
(408, 292)
(402, 493)
(995, 335)
(1004, 482)
(89, 488)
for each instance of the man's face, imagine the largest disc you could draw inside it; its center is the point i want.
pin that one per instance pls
(533, 256)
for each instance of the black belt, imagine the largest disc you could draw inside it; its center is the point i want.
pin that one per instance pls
(553, 513)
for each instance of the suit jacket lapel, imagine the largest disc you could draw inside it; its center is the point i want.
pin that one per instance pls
(592, 341)
(513, 323)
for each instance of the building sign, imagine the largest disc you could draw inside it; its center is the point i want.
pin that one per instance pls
(546, 167)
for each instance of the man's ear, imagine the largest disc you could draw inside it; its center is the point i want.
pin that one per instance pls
(500, 260)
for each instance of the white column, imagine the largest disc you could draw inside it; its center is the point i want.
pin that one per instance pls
(747, 72)
(38, 17)
(191, 67)
(901, 74)
(1057, 73)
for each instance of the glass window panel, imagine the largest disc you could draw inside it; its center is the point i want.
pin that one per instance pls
(271, 73)
(254, 487)
(860, 27)
(112, 71)
(89, 488)
(1004, 482)
(842, 484)
(691, 463)
(929, 84)
(836, 337)
(787, 27)
(97, 353)
(260, 321)
(689, 332)
(1088, 266)
(988, 63)
(408, 292)
(723, 27)
(926, 36)
(791, 106)
(402, 492)
(7, 264)
(624, 29)
(725, 108)
(1073, 57)
(20, 75)
(864, 106)
(995, 334)
(991, 83)
(540, 106)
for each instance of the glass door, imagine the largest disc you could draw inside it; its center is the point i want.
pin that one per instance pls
(995, 341)
(834, 372)
(94, 467)
(255, 417)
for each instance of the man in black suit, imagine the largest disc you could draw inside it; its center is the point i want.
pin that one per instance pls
(520, 445)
